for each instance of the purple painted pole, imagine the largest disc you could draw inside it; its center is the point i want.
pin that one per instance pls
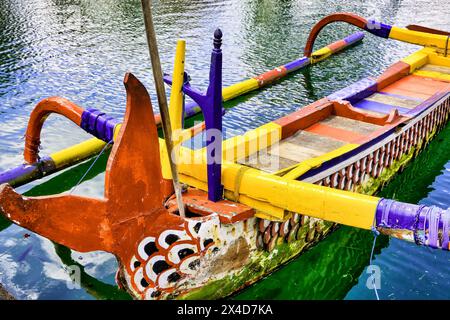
(211, 105)
(24, 173)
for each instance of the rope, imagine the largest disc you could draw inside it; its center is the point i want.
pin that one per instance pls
(376, 233)
(14, 246)
(417, 239)
(446, 46)
(91, 166)
(237, 182)
(386, 212)
(433, 230)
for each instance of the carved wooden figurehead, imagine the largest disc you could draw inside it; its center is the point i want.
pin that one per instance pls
(131, 220)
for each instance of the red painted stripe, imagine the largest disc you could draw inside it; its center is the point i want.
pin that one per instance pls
(335, 133)
(337, 46)
(271, 76)
(304, 117)
(417, 87)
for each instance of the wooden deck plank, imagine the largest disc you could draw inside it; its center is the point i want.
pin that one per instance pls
(395, 101)
(294, 152)
(301, 146)
(334, 133)
(314, 141)
(435, 68)
(267, 162)
(359, 127)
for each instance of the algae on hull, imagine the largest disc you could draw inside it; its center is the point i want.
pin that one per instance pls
(5, 295)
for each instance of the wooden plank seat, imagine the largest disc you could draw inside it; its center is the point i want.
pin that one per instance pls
(395, 100)
(309, 143)
(302, 146)
(435, 68)
(359, 127)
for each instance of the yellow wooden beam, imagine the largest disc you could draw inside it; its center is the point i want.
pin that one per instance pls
(420, 38)
(176, 94)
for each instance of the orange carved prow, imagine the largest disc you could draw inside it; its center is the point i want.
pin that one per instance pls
(135, 192)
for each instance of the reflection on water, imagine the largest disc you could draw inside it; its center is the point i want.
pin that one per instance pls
(81, 49)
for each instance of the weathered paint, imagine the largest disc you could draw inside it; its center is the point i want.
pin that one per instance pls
(42, 110)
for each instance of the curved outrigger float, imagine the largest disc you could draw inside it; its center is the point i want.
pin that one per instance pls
(254, 201)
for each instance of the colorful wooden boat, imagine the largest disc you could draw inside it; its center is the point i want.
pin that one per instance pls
(253, 201)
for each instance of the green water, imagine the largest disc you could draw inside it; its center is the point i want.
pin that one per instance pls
(82, 49)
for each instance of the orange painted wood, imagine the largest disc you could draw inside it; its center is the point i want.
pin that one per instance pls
(394, 73)
(416, 27)
(196, 201)
(335, 17)
(336, 46)
(304, 117)
(135, 191)
(271, 76)
(345, 109)
(335, 133)
(416, 87)
(69, 220)
(38, 116)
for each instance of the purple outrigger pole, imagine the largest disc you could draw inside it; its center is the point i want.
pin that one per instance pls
(211, 105)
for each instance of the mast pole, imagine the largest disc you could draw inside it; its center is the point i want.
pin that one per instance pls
(162, 99)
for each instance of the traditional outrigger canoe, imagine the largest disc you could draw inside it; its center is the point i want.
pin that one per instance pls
(255, 201)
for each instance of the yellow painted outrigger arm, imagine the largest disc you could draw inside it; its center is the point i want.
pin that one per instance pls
(436, 39)
(440, 42)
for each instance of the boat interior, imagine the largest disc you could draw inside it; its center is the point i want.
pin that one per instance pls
(356, 114)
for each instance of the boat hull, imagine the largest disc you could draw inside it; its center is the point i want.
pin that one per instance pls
(245, 251)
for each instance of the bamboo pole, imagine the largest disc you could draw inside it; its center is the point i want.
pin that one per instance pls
(162, 99)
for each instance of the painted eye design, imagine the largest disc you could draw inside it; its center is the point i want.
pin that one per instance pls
(181, 251)
(140, 281)
(134, 264)
(155, 266)
(194, 228)
(152, 293)
(190, 265)
(168, 279)
(204, 244)
(147, 247)
(168, 237)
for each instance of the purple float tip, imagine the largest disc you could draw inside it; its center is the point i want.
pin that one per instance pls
(218, 38)
(430, 225)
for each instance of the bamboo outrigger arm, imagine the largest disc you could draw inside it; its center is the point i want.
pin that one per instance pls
(413, 34)
(92, 121)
